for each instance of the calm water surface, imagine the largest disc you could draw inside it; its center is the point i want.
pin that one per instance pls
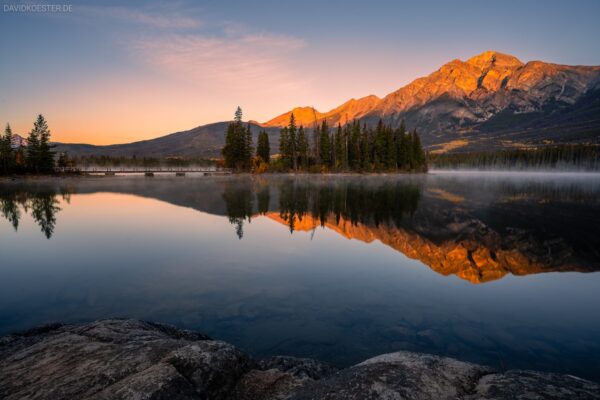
(496, 269)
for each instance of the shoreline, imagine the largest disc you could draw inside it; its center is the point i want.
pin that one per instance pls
(130, 359)
(431, 172)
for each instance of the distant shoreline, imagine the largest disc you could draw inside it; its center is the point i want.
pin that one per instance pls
(431, 172)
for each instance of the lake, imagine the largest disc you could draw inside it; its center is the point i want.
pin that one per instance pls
(499, 269)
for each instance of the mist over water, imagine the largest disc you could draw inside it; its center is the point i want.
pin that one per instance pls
(496, 268)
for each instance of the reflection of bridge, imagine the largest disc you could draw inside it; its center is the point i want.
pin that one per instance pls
(159, 170)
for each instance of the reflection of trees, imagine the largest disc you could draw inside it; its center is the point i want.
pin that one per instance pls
(43, 206)
(357, 202)
(238, 201)
(10, 209)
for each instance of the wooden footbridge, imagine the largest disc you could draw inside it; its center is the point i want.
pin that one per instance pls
(152, 171)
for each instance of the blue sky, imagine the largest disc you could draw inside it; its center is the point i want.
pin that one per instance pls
(113, 71)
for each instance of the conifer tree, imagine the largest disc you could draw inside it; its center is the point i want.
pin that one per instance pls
(325, 144)
(7, 156)
(317, 143)
(365, 149)
(354, 151)
(292, 146)
(46, 155)
(283, 146)
(338, 153)
(248, 148)
(417, 151)
(33, 150)
(302, 148)
(390, 147)
(228, 150)
(237, 151)
(379, 156)
(263, 149)
(40, 157)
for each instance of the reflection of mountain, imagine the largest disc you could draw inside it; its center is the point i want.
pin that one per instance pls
(477, 229)
(477, 261)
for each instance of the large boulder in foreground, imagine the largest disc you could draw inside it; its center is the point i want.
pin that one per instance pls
(129, 359)
(118, 359)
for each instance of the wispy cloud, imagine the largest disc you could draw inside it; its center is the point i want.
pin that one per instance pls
(238, 62)
(156, 18)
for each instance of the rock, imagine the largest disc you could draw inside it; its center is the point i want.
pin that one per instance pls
(271, 384)
(401, 375)
(280, 376)
(298, 367)
(522, 385)
(130, 359)
(118, 359)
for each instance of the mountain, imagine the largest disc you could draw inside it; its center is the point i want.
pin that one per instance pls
(17, 141)
(202, 141)
(491, 101)
(308, 116)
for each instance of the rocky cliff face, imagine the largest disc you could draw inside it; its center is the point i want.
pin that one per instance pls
(490, 93)
(129, 359)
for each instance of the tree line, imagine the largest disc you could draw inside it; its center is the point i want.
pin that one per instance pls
(352, 147)
(568, 157)
(37, 157)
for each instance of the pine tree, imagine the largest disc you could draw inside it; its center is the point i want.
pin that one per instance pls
(390, 148)
(302, 148)
(418, 154)
(404, 148)
(228, 150)
(354, 151)
(292, 146)
(283, 147)
(317, 144)
(263, 149)
(237, 118)
(248, 149)
(7, 156)
(365, 149)
(40, 157)
(237, 151)
(46, 155)
(338, 144)
(379, 156)
(325, 145)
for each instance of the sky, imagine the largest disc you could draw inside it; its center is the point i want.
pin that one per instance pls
(106, 72)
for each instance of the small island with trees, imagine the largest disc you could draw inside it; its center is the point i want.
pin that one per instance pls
(354, 147)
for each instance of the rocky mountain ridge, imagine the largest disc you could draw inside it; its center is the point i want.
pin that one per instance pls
(462, 96)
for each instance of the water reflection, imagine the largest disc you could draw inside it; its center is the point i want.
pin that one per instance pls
(300, 200)
(477, 229)
(43, 206)
(480, 231)
(263, 262)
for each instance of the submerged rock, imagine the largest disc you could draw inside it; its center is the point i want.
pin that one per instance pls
(130, 359)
